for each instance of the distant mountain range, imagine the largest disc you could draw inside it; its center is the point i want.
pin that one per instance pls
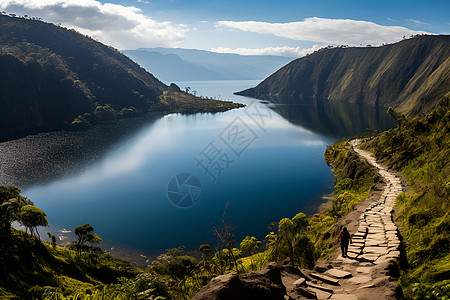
(412, 76)
(176, 64)
(53, 78)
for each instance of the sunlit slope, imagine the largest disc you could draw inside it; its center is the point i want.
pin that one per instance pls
(412, 75)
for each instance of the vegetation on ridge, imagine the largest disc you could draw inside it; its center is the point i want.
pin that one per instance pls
(53, 78)
(420, 149)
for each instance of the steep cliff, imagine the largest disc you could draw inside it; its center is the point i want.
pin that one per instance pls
(411, 75)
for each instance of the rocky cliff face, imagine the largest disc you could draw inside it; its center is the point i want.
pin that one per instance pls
(412, 75)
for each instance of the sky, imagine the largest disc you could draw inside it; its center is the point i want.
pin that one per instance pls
(249, 27)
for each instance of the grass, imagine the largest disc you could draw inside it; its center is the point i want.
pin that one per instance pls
(35, 268)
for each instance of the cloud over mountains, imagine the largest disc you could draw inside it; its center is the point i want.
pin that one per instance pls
(333, 31)
(113, 24)
(279, 51)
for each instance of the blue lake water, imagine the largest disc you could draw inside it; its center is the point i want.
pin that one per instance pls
(265, 161)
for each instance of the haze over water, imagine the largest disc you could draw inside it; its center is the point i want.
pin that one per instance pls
(119, 178)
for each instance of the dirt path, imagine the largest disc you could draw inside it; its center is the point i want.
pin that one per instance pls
(369, 271)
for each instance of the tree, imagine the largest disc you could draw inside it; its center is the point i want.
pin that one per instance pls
(52, 238)
(286, 231)
(206, 251)
(31, 217)
(250, 245)
(85, 235)
(225, 238)
(15, 207)
(291, 235)
(179, 267)
(10, 203)
(9, 212)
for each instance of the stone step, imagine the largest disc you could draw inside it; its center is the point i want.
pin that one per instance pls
(306, 293)
(360, 279)
(369, 256)
(352, 255)
(376, 250)
(299, 282)
(363, 270)
(394, 253)
(359, 235)
(339, 274)
(325, 278)
(375, 243)
(354, 250)
(319, 287)
(321, 295)
(305, 273)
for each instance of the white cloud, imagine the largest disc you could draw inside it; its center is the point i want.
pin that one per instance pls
(280, 51)
(124, 27)
(333, 31)
(419, 22)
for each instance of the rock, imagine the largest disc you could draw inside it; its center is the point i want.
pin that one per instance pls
(394, 291)
(264, 285)
(388, 268)
(221, 287)
(175, 88)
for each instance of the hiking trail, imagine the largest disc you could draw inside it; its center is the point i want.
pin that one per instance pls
(368, 272)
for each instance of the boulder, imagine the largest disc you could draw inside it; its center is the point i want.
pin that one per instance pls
(262, 285)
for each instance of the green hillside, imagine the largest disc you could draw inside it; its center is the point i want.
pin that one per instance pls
(411, 75)
(50, 75)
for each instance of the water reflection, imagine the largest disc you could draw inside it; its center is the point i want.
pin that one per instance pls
(41, 158)
(333, 118)
(115, 176)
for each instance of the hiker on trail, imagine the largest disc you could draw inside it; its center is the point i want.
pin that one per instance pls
(344, 237)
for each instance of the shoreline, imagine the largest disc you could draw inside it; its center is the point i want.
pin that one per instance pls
(154, 114)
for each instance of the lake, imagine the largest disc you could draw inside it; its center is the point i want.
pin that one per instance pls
(156, 183)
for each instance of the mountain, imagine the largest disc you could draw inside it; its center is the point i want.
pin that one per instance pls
(170, 67)
(192, 64)
(411, 75)
(49, 75)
